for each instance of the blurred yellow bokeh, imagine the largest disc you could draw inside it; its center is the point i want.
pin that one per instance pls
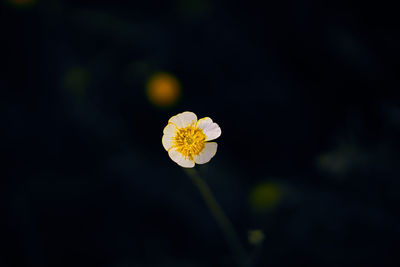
(255, 237)
(194, 8)
(76, 80)
(22, 3)
(264, 196)
(163, 89)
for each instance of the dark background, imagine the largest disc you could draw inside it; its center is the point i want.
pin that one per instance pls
(306, 94)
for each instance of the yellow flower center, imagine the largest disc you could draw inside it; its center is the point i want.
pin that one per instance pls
(189, 141)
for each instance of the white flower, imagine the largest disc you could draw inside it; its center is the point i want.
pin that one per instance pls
(185, 138)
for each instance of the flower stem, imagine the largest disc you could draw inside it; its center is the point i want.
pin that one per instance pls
(222, 220)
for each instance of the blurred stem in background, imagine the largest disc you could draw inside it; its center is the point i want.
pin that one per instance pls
(222, 220)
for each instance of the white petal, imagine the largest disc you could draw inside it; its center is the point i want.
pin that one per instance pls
(169, 134)
(183, 119)
(178, 158)
(210, 128)
(204, 122)
(206, 155)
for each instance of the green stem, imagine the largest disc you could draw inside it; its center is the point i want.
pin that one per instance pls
(222, 220)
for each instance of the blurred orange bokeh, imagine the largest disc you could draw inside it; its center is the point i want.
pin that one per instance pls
(163, 89)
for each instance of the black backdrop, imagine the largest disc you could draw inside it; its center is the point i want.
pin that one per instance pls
(305, 92)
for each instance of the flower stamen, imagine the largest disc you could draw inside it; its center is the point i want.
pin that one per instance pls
(189, 141)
